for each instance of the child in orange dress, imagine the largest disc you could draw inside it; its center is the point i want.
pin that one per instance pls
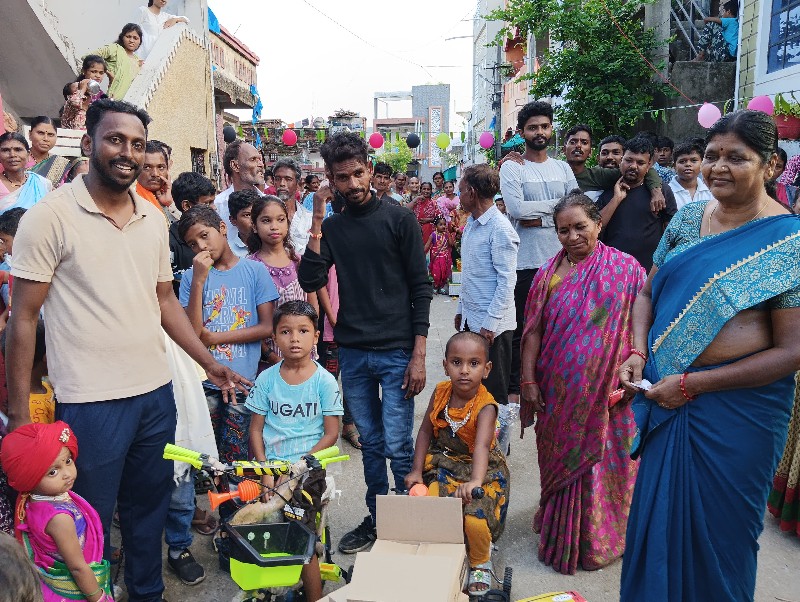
(456, 451)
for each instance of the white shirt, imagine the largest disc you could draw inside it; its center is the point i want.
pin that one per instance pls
(152, 26)
(530, 191)
(489, 248)
(683, 196)
(299, 229)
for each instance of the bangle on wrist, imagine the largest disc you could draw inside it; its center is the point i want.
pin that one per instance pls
(528, 382)
(635, 351)
(318, 235)
(683, 388)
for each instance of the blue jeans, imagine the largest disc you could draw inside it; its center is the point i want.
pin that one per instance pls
(121, 444)
(385, 425)
(178, 531)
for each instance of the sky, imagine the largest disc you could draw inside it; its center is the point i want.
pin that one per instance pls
(311, 66)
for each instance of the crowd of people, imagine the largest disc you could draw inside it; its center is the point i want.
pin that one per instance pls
(640, 312)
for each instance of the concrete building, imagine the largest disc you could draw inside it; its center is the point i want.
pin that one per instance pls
(486, 87)
(431, 103)
(43, 42)
(430, 116)
(233, 67)
(769, 57)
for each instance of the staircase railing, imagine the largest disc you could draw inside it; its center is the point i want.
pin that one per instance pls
(684, 13)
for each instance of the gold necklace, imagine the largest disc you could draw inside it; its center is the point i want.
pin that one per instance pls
(571, 263)
(10, 181)
(760, 211)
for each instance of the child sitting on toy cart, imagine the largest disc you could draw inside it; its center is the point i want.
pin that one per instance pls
(456, 451)
(296, 407)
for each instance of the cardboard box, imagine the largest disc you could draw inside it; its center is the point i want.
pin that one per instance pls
(343, 594)
(455, 278)
(454, 290)
(419, 554)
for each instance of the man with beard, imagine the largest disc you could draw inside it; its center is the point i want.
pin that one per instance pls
(96, 255)
(629, 223)
(153, 183)
(383, 319)
(530, 192)
(286, 174)
(594, 180)
(611, 150)
(244, 168)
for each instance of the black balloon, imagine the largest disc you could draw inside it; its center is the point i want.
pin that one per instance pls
(412, 141)
(228, 134)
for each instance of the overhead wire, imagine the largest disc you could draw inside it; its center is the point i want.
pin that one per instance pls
(367, 42)
(644, 58)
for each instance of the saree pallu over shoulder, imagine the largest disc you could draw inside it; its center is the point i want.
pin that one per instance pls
(586, 476)
(706, 467)
(699, 289)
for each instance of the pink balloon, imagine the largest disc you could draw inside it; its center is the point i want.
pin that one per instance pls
(376, 140)
(486, 140)
(763, 104)
(289, 137)
(708, 115)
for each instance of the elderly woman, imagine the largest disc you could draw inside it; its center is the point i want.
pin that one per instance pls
(715, 329)
(43, 138)
(577, 330)
(18, 187)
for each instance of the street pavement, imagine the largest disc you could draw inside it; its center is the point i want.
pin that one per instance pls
(778, 562)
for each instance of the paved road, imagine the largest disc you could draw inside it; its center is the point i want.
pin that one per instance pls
(779, 559)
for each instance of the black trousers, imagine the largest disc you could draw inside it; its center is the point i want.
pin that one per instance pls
(500, 356)
(521, 290)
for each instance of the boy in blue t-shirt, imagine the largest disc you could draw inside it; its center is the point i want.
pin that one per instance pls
(230, 305)
(719, 39)
(296, 405)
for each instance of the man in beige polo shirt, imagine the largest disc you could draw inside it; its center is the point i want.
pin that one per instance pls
(96, 256)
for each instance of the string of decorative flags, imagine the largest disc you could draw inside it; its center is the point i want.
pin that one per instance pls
(290, 137)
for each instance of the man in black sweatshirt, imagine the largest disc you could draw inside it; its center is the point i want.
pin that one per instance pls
(384, 308)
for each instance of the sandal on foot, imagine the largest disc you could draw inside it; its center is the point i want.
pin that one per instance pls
(351, 435)
(205, 524)
(479, 575)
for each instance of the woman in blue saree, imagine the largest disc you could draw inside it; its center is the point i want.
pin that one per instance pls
(715, 329)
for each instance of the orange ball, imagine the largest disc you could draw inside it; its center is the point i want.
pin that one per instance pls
(418, 490)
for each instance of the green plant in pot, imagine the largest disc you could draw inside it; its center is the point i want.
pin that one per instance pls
(787, 117)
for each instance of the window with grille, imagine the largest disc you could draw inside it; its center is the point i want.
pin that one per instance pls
(784, 35)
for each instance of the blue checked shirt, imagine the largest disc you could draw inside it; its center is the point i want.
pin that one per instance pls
(489, 249)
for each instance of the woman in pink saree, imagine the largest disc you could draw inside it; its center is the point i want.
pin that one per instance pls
(577, 330)
(425, 209)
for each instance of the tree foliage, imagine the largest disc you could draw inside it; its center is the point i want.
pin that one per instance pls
(601, 79)
(398, 157)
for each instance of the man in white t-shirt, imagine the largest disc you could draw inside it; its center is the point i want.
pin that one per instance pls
(244, 167)
(286, 174)
(530, 192)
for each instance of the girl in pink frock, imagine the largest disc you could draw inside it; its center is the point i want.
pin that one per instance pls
(440, 245)
(61, 532)
(269, 243)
